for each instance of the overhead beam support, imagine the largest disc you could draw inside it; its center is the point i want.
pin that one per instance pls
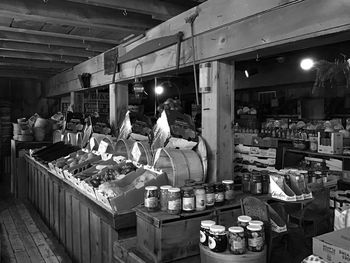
(35, 63)
(45, 49)
(216, 121)
(75, 14)
(157, 9)
(5, 73)
(47, 57)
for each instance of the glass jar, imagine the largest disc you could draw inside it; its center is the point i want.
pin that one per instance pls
(318, 175)
(199, 193)
(258, 223)
(151, 198)
(246, 183)
(236, 240)
(243, 221)
(313, 143)
(255, 238)
(163, 197)
(174, 201)
(256, 183)
(228, 188)
(217, 238)
(265, 180)
(209, 195)
(219, 194)
(188, 203)
(204, 231)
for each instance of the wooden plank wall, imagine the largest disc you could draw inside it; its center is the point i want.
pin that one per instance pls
(85, 235)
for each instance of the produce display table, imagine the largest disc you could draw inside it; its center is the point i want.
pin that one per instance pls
(18, 180)
(85, 227)
(162, 237)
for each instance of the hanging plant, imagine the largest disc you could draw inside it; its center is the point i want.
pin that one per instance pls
(327, 73)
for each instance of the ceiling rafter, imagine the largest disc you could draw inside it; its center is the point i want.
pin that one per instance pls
(34, 63)
(75, 14)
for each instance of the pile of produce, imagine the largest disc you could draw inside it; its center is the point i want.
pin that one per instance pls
(73, 159)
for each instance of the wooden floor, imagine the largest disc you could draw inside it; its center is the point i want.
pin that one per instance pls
(24, 237)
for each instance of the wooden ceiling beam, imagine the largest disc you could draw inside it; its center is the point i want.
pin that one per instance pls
(46, 57)
(46, 49)
(35, 63)
(75, 14)
(48, 38)
(157, 9)
(5, 73)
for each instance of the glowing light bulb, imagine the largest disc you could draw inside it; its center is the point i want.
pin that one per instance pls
(307, 63)
(159, 90)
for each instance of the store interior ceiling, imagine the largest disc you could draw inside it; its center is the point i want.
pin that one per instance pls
(40, 38)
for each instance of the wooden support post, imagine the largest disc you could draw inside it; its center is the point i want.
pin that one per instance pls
(216, 121)
(118, 104)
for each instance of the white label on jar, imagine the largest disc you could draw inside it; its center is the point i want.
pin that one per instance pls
(174, 205)
(151, 202)
(202, 236)
(256, 242)
(229, 195)
(211, 243)
(200, 202)
(188, 203)
(219, 197)
(236, 245)
(210, 199)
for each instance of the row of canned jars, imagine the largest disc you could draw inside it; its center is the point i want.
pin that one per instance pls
(175, 200)
(247, 235)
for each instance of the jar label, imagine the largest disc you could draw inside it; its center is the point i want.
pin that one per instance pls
(202, 236)
(256, 242)
(229, 194)
(188, 203)
(210, 199)
(174, 205)
(211, 243)
(238, 245)
(219, 197)
(151, 202)
(200, 202)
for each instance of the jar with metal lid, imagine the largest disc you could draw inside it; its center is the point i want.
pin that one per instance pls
(246, 183)
(243, 221)
(209, 195)
(255, 238)
(217, 238)
(199, 193)
(204, 231)
(258, 223)
(151, 198)
(174, 201)
(188, 200)
(163, 197)
(228, 188)
(256, 183)
(236, 240)
(265, 181)
(219, 194)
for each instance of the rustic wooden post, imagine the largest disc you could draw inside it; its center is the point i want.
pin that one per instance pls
(118, 104)
(217, 119)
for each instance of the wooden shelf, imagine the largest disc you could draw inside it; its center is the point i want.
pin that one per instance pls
(318, 154)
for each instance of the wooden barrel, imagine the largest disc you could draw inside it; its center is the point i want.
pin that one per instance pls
(179, 165)
(123, 147)
(207, 256)
(141, 153)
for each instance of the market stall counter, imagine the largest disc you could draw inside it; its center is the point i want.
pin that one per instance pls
(85, 226)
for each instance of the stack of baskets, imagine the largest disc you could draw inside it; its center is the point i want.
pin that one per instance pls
(21, 131)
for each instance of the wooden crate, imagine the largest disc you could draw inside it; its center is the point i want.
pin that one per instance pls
(165, 238)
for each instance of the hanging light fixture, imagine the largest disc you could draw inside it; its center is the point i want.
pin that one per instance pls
(138, 87)
(307, 63)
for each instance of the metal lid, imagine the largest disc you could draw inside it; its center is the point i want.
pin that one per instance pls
(217, 229)
(227, 181)
(165, 187)
(256, 222)
(151, 188)
(236, 229)
(174, 190)
(254, 228)
(244, 219)
(207, 223)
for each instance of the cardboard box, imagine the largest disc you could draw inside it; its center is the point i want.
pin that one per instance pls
(333, 247)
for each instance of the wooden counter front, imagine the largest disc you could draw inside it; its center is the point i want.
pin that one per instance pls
(85, 227)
